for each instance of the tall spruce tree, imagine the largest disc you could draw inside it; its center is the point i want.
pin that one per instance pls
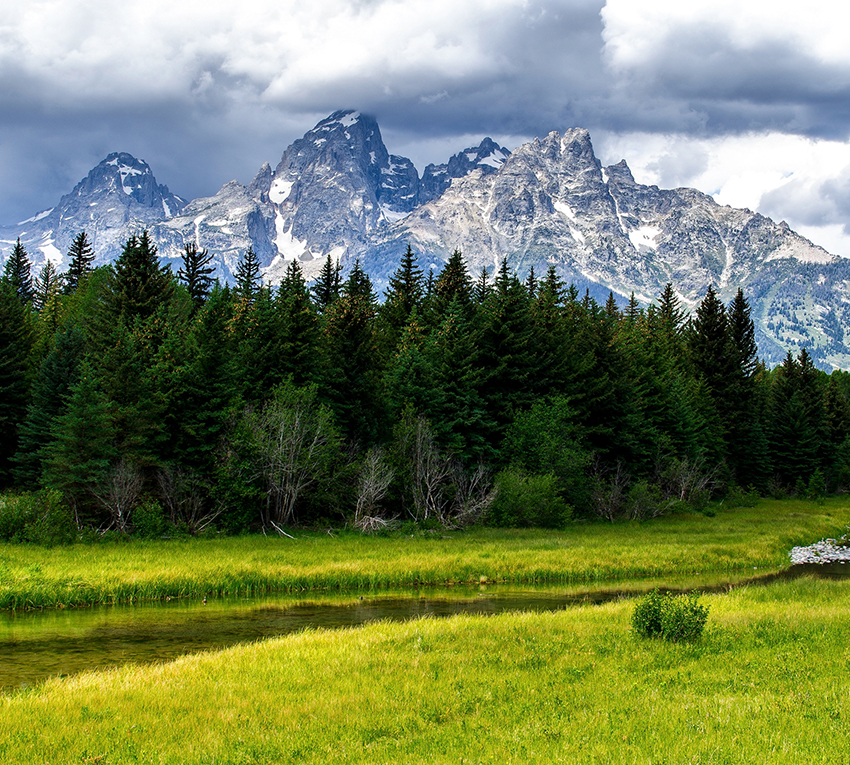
(352, 369)
(47, 286)
(140, 285)
(78, 457)
(327, 285)
(17, 272)
(248, 280)
(81, 257)
(195, 274)
(15, 346)
(58, 373)
(404, 294)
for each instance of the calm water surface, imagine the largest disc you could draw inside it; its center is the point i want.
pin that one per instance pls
(41, 644)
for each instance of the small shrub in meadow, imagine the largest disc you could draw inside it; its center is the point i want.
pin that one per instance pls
(677, 618)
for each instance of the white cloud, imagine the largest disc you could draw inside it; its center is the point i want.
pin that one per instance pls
(802, 180)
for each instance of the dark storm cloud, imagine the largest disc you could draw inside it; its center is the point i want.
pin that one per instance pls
(207, 93)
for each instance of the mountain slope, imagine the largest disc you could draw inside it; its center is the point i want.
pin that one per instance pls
(338, 192)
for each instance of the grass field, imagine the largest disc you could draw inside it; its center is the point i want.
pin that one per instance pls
(767, 683)
(740, 538)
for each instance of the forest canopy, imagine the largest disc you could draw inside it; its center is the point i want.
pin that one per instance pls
(138, 400)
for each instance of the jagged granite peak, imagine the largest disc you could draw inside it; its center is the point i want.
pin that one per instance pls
(488, 156)
(118, 198)
(226, 225)
(337, 191)
(334, 188)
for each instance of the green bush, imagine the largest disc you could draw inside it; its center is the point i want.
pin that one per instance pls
(41, 517)
(149, 520)
(677, 618)
(528, 500)
(738, 497)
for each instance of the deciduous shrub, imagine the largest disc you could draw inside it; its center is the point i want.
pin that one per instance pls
(40, 517)
(677, 618)
(524, 500)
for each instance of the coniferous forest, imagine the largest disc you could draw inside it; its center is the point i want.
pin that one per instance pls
(140, 401)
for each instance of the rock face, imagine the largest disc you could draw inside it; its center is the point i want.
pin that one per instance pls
(118, 198)
(338, 192)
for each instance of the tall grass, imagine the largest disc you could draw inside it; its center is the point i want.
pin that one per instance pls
(767, 683)
(36, 577)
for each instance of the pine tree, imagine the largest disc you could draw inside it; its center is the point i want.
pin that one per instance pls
(48, 285)
(452, 283)
(140, 285)
(531, 283)
(18, 274)
(58, 373)
(457, 409)
(327, 285)
(509, 351)
(248, 278)
(195, 274)
(15, 346)
(403, 295)
(298, 327)
(482, 289)
(81, 257)
(351, 362)
(78, 457)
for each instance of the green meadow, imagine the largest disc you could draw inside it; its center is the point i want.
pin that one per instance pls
(138, 570)
(768, 682)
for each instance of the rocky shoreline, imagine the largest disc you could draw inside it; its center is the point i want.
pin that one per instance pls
(823, 552)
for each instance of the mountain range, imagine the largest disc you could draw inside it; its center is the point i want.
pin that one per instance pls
(338, 192)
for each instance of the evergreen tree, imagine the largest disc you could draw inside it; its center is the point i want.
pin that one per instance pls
(81, 257)
(298, 327)
(195, 274)
(206, 394)
(452, 283)
(352, 366)
(509, 351)
(482, 289)
(15, 346)
(747, 443)
(409, 378)
(78, 457)
(531, 283)
(327, 285)
(47, 286)
(140, 285)
(457, 409)
(794, 436)
(18, 274)
(404, 295)
(58, 373)
(248, 280)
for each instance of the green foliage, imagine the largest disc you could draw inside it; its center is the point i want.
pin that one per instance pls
(17, 274)
(195, 274)
(676, 618)
(81, 258)
(149, 520)
(40, 517)
(528, 500)
(816, 489)
(738, 497)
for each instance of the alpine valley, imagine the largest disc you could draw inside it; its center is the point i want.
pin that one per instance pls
(338, 192)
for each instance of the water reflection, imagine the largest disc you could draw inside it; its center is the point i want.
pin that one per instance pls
(37, 645)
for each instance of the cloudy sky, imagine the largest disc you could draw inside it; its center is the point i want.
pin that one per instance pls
(747, 100)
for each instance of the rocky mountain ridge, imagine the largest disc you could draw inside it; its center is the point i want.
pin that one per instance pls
(338, 192)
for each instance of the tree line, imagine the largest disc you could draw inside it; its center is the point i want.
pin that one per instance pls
(139, 400)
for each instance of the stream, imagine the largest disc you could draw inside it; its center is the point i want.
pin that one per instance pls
(35, 645)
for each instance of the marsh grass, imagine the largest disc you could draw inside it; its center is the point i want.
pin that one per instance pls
(767, 683)
(141, 570)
